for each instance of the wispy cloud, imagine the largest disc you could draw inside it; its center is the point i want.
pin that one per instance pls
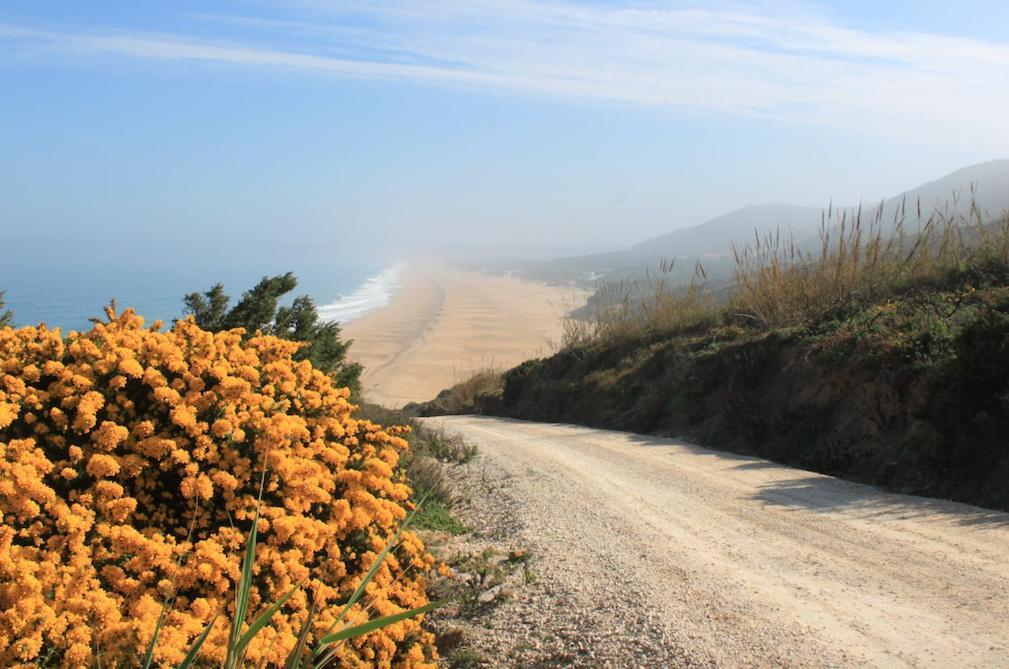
(756, 63)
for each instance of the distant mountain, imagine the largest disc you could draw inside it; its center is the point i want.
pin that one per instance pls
(708, 242)
(711, 242)
(952, 193)
(717, 235)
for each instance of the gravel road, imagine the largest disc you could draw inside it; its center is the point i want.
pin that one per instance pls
(652, 552)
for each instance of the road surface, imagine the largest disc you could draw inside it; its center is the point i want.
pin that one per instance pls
(736, 561)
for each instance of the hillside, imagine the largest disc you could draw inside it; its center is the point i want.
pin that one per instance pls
(990, 181)
(873, 362)
(889, 395)
(711, 242)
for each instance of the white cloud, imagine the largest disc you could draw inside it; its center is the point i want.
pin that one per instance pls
(764, 64)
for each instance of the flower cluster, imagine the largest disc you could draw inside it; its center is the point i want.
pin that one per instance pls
(129, 471)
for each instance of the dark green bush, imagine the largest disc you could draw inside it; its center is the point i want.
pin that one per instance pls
(259, 311)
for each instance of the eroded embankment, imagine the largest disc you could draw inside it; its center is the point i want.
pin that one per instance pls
(912, 394)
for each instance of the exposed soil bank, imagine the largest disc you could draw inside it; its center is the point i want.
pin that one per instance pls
(912, 395)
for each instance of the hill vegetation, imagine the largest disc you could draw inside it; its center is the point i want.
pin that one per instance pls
(6, 317)
(711, 242)
(881, 356)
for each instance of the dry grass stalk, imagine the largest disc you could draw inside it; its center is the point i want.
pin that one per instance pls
(779, 282)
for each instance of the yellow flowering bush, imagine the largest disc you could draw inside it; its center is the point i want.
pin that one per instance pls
(129, 470)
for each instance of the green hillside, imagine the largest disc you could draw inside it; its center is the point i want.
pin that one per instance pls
(882, 359)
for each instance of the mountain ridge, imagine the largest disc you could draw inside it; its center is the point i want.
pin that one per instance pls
(712, 240)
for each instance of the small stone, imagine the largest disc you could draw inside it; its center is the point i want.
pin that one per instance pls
(490, 595)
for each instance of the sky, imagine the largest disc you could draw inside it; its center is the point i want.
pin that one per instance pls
(248, 128)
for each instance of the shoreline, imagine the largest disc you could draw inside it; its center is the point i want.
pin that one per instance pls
(446, 323)
(371, 294)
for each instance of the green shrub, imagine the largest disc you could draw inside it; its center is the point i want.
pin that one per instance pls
(436, 516)
(258, 311)
(6, 316)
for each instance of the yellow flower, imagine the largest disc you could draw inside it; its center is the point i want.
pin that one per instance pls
(130, 367)
(134, 435)
(100, 466)
(109, 435)
(8, 412)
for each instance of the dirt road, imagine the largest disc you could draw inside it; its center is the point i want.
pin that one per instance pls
(666, 554)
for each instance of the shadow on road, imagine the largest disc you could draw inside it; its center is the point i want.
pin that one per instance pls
(814, 492)
(827, 495)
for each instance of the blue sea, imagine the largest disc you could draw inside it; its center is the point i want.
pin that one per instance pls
(67, 295)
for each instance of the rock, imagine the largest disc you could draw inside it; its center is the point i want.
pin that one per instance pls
(490, 595)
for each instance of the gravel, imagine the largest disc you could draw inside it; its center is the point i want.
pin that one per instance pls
(639, 551)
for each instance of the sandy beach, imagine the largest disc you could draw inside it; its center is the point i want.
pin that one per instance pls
(446, 323)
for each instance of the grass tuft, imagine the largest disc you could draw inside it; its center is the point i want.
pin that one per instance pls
(436, 516)
(781, 282)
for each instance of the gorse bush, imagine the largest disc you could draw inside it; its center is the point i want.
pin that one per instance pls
(431, 455)
(258, 311)
(130, 464)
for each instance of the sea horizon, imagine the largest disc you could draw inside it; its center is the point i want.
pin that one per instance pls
(341, 291)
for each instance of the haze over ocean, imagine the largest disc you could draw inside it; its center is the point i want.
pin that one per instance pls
(67, 295)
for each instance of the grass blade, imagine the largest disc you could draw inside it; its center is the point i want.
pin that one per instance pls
(194, 650)
(149, 655)
(371, 574)
(244, 586)
(294, 659)
(377, 623)
(260, 622)
(242, 593)
(170, 598)
(375, 565)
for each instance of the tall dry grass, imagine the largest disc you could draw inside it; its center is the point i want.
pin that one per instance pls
(633, 309)
(860, 258)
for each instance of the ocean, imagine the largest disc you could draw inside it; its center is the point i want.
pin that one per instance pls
(66, 297)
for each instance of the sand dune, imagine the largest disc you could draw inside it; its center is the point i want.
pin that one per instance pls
(446, 323)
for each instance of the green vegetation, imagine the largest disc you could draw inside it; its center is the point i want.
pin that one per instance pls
(259, 311)
(780, 282)
(466, 658)
(435, 516)
(483, 385)
(443, 447)
(6, 316)
(427, 466)
(882, 356)
(484, 578)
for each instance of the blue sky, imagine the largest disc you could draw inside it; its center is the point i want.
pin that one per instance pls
(307, 125)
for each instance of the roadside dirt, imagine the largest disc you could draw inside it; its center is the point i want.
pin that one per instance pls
(650, 552)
